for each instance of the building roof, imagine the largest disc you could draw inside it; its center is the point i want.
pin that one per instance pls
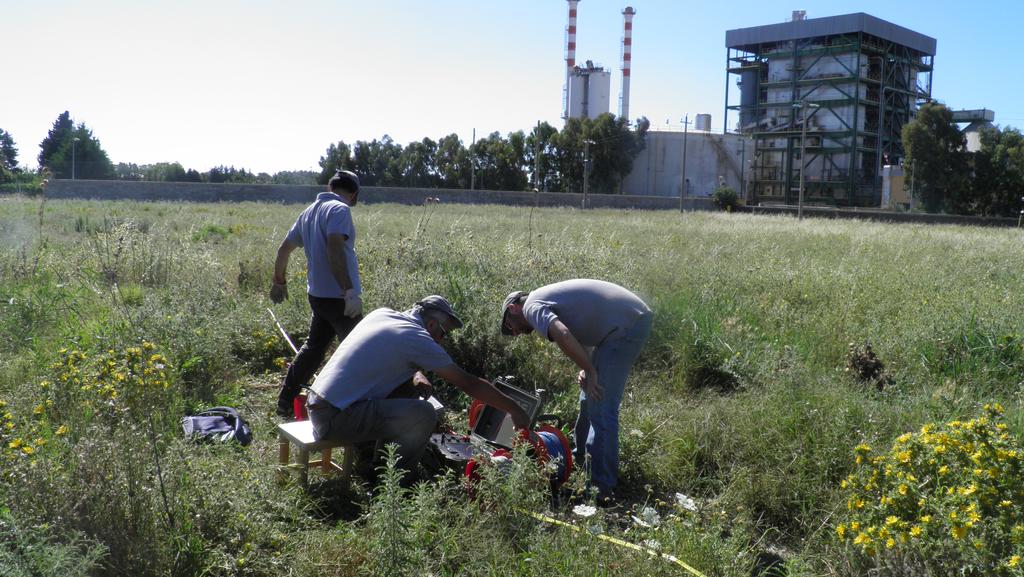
(748, 38)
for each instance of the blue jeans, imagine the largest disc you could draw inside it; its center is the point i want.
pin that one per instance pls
(597, 427)
(406, 422)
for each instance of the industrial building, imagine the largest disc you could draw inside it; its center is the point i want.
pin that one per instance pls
(977, 121)
(825, 101)
(589, 89)
(712, 160)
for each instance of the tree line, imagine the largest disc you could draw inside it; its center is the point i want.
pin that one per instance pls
(948, 178)
(944, 176)
(543, 159)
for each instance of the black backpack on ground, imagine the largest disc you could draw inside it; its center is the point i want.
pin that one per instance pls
(219, 424)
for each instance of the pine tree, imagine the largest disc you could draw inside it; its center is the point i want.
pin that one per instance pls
(56, 139)
(8, 151)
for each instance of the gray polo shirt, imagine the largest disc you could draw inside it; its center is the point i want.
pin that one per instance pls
(383, 351)
(592, 310)
(327, 215)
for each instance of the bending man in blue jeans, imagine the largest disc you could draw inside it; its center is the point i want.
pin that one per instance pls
(327, 235)
(601, 327)
(358, 396)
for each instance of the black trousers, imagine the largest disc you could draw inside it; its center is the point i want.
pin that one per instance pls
(328, 320)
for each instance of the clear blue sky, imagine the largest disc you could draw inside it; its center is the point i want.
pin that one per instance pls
(267, 85)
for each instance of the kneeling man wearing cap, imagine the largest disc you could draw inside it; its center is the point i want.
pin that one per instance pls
(353, 399)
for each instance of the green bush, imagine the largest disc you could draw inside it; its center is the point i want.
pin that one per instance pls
(947, 496)
(38, 551)
(726, 198)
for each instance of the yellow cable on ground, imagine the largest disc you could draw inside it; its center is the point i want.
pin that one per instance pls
(619, 542)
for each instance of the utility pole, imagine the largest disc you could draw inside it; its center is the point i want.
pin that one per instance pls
(586, 170)
(74, 141)
(743, 168)
(536, 158)
(472, 163)
(881, 120)
(912, 194)
(803, 161)
(682, 168)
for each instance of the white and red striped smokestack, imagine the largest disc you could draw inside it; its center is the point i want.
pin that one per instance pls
(627, 57)
(570, 52)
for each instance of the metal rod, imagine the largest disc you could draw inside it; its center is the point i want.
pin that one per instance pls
(283, 332)
(586, 171)
(682, 168)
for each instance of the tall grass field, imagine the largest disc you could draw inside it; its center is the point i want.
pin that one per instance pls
(818, 397)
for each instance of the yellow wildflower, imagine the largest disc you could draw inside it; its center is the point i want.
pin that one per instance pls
(958, 531)
(1013, 561)
(915, 531)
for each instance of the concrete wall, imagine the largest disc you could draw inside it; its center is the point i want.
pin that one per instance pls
(192, 192)
(885, 215)
(201, 192)
(656, 170)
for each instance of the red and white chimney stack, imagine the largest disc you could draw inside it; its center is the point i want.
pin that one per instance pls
(570, 52)
(627, 57)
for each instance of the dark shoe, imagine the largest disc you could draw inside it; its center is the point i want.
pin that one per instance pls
(606, 500)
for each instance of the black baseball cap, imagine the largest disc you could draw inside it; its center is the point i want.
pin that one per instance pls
(439, 303)
(345, 180)
(512, 297)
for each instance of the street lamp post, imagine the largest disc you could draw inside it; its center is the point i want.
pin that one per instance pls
(682, 168)
(74, 141)
(803, 106)
(743, 168)
(881, 119)
(586, 169)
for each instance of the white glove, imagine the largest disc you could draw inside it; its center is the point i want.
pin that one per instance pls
(353, 304)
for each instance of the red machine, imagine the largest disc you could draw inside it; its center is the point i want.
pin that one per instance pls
(493, 436)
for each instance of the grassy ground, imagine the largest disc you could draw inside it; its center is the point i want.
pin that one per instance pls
(747, 399)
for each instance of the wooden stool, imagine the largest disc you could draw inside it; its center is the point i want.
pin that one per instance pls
(300, 434)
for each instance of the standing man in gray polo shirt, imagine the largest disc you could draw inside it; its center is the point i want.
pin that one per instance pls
(359, 395)
(601, 327)
(326, 233)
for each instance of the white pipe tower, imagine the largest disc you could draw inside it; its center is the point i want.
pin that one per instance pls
(570, 54)
(627, 57)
